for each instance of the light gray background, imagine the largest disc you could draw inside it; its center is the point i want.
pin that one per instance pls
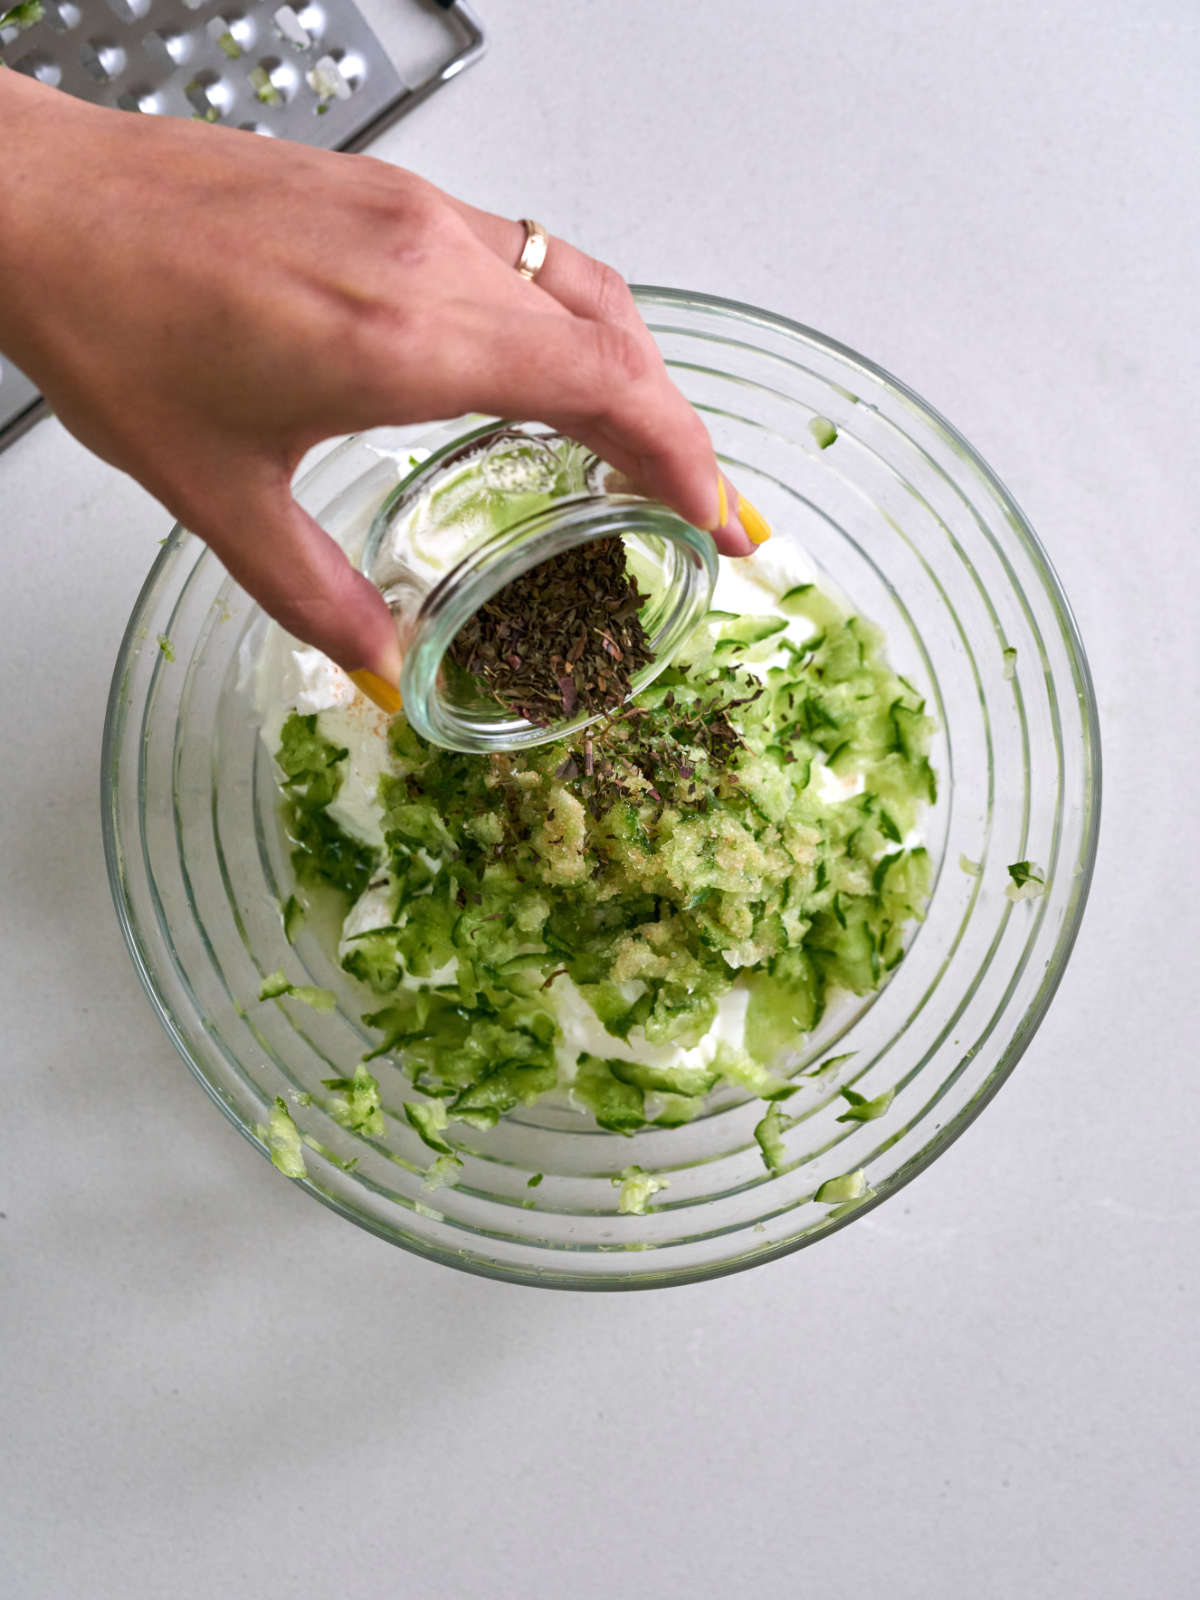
(209, 1386)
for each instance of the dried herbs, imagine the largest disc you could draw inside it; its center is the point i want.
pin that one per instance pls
(648, 753)
(562, 639)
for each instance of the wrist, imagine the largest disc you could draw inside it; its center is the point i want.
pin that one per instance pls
(22, 110)
(39, 130)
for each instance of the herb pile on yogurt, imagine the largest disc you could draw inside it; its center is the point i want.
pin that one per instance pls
(638, 914)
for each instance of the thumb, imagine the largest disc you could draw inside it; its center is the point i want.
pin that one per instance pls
(303, 579)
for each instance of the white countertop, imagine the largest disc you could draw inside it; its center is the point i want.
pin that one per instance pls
(210, 1386)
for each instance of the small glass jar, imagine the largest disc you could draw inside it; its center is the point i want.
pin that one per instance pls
(484, 509)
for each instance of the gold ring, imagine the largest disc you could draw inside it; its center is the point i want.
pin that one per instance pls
(533, 251)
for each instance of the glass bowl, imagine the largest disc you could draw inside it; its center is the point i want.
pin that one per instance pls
(903, 517)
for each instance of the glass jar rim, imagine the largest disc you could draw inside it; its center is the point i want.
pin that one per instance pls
(483, 570)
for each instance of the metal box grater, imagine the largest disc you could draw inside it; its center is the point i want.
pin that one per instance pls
(313, 72)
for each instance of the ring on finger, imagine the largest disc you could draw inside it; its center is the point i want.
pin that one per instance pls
(533, 252)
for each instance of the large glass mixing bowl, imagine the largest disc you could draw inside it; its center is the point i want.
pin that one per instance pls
(904, 518)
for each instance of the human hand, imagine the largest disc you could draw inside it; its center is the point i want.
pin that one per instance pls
(201, 307)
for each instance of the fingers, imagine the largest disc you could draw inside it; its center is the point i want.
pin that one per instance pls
(302, 578)
(591, 380)
(663, 448)
(584, 286)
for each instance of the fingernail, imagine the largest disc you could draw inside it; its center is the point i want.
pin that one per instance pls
(746, 521)
(385, 695)
(756, 526)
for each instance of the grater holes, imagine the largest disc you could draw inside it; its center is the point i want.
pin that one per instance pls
(313, 20)
(62, 15)
(274, 81)
(232, 32)
(209, 96)
(40, 66)
(168, 46)
(129, 10)
(141, 99)
(257, 127)
(328, 82)
(291, 28)
(103, 60)
(354, 68)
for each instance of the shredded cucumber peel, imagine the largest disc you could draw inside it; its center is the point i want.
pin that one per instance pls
(860, 1109)
(836, 1191)
(23, 15)
(830, 1064)
(277, 987)
(637, 1187)
(429, 1118)
(284, 1142)
(355, 1103)
(769, 1134)
(1028, 881)
(441, 1172)
(313, 770)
